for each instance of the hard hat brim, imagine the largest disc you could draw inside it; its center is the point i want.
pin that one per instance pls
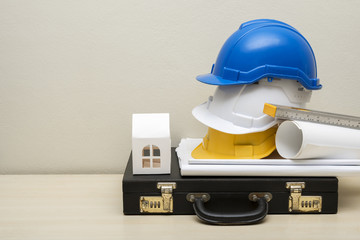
(216, 80)
(212, 79)
(203, 115)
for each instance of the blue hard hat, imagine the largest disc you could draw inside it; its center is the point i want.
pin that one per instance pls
(264, 48)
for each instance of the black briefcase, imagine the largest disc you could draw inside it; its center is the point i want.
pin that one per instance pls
(227, 200)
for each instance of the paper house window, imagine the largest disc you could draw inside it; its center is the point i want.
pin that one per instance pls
(151, 157)
(151, 144)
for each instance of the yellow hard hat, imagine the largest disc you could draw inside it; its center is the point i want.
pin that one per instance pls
(220, 145)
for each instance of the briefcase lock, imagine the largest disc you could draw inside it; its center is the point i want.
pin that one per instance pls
(299, 203)
(159, 204)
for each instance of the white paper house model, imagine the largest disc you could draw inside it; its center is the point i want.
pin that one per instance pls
(151, 143)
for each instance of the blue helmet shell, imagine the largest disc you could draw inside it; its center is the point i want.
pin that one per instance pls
(264, 48)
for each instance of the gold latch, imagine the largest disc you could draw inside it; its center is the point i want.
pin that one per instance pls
(299, 203)
(159, 204)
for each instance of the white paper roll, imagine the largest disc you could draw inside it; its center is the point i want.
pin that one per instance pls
(303, 140)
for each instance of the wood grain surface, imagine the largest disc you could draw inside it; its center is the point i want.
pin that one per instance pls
(90, 207)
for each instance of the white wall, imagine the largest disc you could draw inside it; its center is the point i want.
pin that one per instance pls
(73, 72)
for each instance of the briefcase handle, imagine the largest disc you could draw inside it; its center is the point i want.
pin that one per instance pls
(250, 217)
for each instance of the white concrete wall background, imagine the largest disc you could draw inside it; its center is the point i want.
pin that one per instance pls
(73, 72)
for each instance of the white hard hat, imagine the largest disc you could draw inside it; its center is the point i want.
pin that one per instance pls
(238, 109)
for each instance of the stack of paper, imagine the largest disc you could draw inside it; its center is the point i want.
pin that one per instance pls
(272, 166)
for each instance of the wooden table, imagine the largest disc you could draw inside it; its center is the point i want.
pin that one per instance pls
(90, 207)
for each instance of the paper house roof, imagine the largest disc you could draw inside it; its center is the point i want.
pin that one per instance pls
(154, 125)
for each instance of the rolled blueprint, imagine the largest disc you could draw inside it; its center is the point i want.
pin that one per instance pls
(303, 140)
